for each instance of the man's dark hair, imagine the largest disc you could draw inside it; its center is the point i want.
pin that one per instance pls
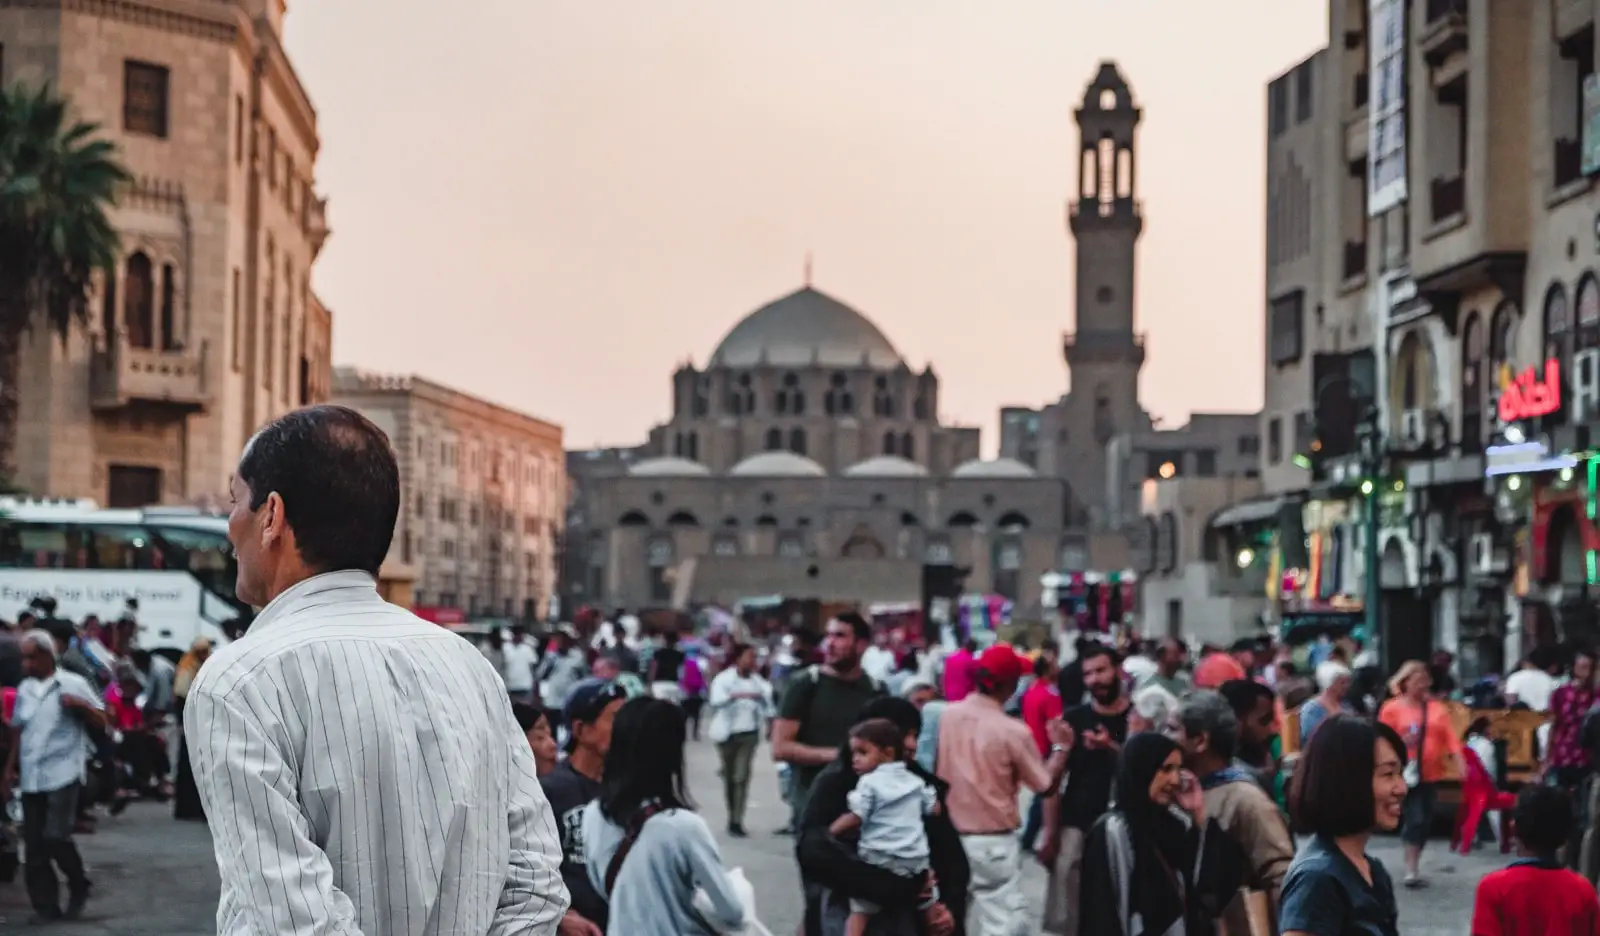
(1542, 817)
(1244, 695)
(1098, 649)
(857, 623)
(339, 482)
(1041, 665)
(1331, 790)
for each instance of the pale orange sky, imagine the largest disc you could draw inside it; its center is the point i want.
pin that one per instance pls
(553, 202)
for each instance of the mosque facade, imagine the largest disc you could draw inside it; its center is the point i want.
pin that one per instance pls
(806, 460)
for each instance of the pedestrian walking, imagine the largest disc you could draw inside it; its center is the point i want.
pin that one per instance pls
(1348, 784)
(360, 766)
(55, 715)
(1433, 753)
(741, 704)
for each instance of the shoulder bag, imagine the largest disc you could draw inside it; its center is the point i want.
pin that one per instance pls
(626, 845)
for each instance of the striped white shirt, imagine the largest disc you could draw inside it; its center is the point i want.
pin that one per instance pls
(363, 774)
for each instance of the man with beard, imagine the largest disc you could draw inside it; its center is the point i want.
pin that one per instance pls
(820, 706)
(1256, 707)
(1100, 727)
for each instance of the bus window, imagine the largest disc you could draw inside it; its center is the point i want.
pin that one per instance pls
(41, 546)
(206, 555)
(124, 547)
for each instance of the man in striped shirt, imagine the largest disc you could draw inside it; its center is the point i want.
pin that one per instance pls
(361, 768)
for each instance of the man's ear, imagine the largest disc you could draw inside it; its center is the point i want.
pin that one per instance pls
(274, 523)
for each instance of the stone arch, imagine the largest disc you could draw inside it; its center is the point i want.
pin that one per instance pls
(862, 544)
(633, 518)
(683, 518)
(962, 518)
(1012, 521)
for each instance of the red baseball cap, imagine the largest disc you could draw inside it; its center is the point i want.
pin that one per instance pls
(1002, 663)
(1217, 669)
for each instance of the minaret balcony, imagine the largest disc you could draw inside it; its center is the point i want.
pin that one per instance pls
(1103, 346)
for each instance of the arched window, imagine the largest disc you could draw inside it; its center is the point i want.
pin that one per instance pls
(1556, 324)
(1588, 309)
(908, 446)
(919, 408)
(889, 443)
(139, 308)
(692, 449)
(883, 402)
(1502, 335)
(797, 440)
(1472, 384)
(108, 307)
(169, 320)
(774, 440)
(677, 444)
(838, 401)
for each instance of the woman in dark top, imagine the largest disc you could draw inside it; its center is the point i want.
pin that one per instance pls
(1154, 865)
(1347, 784)
(828, 864)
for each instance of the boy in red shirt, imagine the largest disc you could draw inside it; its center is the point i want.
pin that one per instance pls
(1536, 896)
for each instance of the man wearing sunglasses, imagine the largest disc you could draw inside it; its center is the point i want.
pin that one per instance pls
(588, 712)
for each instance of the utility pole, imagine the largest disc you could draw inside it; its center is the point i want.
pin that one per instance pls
(1371, 439)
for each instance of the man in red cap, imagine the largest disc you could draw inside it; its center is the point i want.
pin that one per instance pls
(985, 754)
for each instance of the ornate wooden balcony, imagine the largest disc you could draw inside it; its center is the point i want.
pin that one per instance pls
(120, 375)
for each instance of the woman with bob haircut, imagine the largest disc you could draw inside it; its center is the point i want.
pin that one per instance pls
(1347, 784)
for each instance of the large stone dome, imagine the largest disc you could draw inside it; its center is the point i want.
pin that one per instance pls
(805, 328)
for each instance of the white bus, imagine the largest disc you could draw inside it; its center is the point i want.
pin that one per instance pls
(175, 562)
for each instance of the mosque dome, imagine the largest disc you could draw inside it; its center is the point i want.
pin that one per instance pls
(995, 468)
(667, 466)
(803, 329)
(777, 465)
(886, 466)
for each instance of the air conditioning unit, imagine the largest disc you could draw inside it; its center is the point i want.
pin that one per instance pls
(1585, 383)
(1414, 427)
(1487, 559)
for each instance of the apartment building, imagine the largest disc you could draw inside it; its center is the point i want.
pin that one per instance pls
(483, 495)
(207, 327)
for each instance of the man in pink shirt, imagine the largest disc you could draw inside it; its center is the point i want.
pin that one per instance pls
(986, 756)
(958, 672)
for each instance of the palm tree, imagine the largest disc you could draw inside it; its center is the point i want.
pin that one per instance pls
(58, 179)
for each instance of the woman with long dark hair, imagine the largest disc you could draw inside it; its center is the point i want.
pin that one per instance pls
(1154, 865)
(648, 852)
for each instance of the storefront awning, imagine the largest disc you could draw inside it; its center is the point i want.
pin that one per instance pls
(1253, 511)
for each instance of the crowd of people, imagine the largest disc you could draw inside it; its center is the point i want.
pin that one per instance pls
(91, 726)
(365, 771)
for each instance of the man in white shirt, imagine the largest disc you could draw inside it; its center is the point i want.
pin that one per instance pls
(361, 768)
(878, 660)
(520, 661)
(1531, 685)
(50, 739)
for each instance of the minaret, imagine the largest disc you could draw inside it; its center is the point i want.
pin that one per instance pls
(1104, 355)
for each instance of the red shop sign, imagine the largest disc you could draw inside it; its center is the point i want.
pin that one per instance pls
(1526, 396)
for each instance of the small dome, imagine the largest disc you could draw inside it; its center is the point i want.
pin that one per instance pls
(777, 465)
(667, 466)
(805, 328)
(886, 466)
(998, 468)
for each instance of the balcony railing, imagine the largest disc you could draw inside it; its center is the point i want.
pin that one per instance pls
(1568, 159)
(1445, 30)
(120, 374)
(1359, 91)
(1448, 198)
(1355, 259)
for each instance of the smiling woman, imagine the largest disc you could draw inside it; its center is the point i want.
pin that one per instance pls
(1347, 784)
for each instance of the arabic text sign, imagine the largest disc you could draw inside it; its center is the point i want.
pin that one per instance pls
(1527, 396)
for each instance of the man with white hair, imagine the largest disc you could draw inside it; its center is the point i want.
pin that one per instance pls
(1333, 681)
(49, 728)
(1153, 707)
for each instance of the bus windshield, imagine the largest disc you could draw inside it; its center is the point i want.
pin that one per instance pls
(205, 554)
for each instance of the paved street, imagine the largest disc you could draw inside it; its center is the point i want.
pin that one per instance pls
(156, 877)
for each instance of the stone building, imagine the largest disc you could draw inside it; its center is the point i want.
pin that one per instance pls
(207, 327)
(807, 459)
(483, 496)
